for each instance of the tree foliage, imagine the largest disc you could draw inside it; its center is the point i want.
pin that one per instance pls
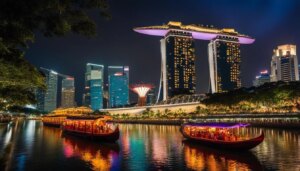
(270, 95)
(20, 21)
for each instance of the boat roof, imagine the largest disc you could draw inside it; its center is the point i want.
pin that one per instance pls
(218, 125)
(88, 117)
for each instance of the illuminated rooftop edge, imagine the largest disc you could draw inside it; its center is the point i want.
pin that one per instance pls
(198, 32)
(95, 64)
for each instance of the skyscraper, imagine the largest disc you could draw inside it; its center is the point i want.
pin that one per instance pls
(178, 55)
(151, 97)
(118, 86)
(47, 100)
(224, 64)
(93, 96)
(261, 79)
(179, 58)
(284, 64)
(67, 92)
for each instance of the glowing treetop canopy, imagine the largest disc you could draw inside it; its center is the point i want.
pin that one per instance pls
(141, 89)
(197, 31)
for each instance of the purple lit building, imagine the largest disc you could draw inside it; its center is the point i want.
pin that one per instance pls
(178, 56)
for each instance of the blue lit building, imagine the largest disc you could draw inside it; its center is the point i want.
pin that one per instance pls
(118, 86)
(93, 96)
(47, 100)
(151, 97)
(261, 79)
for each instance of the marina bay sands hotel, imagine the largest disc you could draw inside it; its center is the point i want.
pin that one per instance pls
(178, 75)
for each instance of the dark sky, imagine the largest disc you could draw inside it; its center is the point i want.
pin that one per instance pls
(270, 22)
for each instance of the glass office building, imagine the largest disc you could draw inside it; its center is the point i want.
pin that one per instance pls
(262, 78)
(67, 92)
(118, 86)
(47, 100)
(93, 96)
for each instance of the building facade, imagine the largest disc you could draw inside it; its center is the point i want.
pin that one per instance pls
(151, 97)
(68, 92)
(178, 55)
(261, 79)
(93, 96)
(118, 86)
(47, 100)
(178, 64)
(224, 64)
(284, 64)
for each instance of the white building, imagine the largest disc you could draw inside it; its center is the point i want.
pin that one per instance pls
(284, 64)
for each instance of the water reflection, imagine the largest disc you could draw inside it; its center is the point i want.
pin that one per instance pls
(150, 147)
(102, 156)
(28, 145)
(199, 157)
(280, 149)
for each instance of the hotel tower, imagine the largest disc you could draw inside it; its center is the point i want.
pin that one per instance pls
(284, 64)
(178, 76)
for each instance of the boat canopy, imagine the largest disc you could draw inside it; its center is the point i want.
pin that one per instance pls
(89, 117)
(217, 125)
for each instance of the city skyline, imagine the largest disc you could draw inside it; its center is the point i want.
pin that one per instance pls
(140, 50)
(149, 85)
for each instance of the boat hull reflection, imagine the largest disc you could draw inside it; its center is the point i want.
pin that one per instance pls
(202, 158)
(100, 156)
(110, 137)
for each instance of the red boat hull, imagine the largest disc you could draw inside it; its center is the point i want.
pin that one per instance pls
(51, 124)
(109, 137)
(232, 145)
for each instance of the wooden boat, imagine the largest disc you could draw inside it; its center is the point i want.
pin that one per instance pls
(58, 116)
(219, 135)
(53, 120)
(95, 127)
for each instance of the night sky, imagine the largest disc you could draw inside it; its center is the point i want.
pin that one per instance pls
(270, 22)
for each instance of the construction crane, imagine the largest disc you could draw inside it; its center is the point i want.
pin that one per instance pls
(59, 74)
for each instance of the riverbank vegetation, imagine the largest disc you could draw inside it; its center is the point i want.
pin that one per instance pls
(270, 98)
(275, 97)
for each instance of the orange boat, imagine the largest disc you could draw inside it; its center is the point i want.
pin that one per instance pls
(219, 135)
(92, 126)
(58, 116)
(55, 121)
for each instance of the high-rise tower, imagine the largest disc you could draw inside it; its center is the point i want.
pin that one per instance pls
(179, 68)
(262, 78)
(178, 56)
(67, 92)
(224, 64)
(284, 64)
(47, 100)
(93, 96)
(118, 86)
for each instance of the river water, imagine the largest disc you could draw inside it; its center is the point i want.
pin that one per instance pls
(28, 145)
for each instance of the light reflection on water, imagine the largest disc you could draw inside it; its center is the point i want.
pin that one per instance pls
(27, 145)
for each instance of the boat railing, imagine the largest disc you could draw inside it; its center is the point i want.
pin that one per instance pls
(89, 127)
(220, 136)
